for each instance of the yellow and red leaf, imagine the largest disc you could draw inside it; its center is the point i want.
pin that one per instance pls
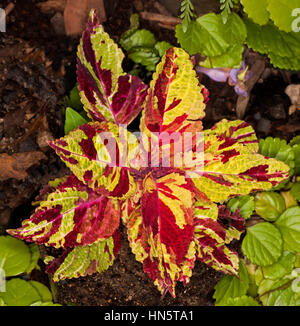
(73, 215)
(232, 165)
(211, 238)
(161, 231)
(98, 157)
(107, 93)
(82, 261)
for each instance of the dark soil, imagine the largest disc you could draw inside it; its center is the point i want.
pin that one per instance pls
(37, 69)
(126, 284)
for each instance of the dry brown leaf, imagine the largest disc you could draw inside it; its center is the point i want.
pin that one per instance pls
(15, 166)
(289, 128)
(76, 14)
(165, 20)
(44, 135)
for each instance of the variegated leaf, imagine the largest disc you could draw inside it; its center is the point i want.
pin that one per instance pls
(233, 223)
(128, 206)
(83, 261)
(73, 215)
(210, 240)
(161, 232)
(107, 93)
(175, 102)
(232, 165)
(174, 108)
(98, 154)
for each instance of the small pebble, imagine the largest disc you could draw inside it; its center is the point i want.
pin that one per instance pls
(257, 116)
(264, 126)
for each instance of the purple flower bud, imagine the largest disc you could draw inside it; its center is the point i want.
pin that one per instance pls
(234, 77)
(241, 90)
(219, 75)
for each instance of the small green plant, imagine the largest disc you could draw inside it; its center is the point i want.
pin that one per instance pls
(16, 259)
(264, 26)
(75, 115)
(187, 13)
(141, 45)
(271, 246)
(226, 8)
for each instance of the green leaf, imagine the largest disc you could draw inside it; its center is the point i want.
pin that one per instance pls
(73, 100)
(226, 6)
(259, 276)
(73, 120)
(35, 256)
(288, 198)
(45, 304)
(282, 267)
(162, 47)
(251, 268)
(296, 150)
(297, 262)
(20, 293)
(140, 38)
(187, 13)
(221, 43)
(295, 191)
(42, 290)
(213, 41)
(2, 303)
(235, 34)
(284, 297)
(257, 10)
(244, 203)
(15, 256)
(239, 301)
(262, 244)
(234, 31)
(281, 13)
(282, 48)
(147, 57)
(232, 287)
(134, 25)
(191, 40)
(295, 141)
(287, 63)
(230, 59)
(142, 46)
(277, 148)
(289, 226)
(278, 292)
(269, 205)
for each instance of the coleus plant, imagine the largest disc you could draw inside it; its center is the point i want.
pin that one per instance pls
(170, 211)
